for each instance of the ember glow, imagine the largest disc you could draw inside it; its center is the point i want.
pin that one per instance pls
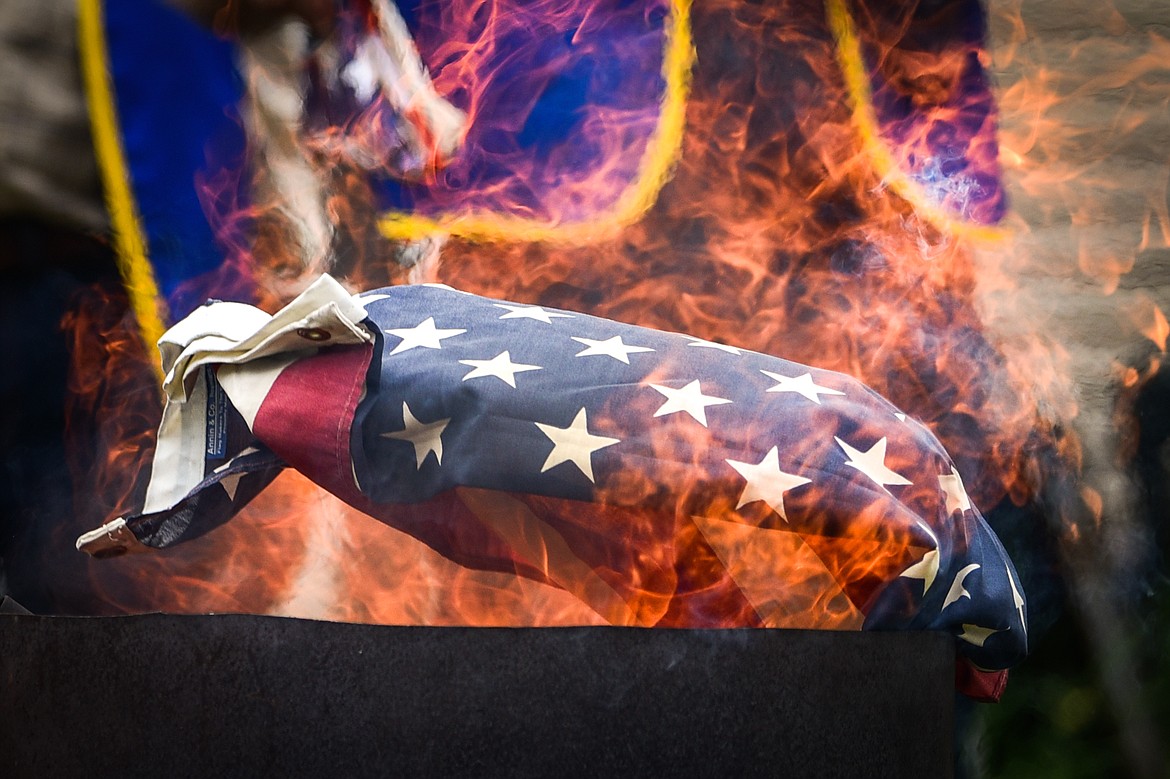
(819, 182)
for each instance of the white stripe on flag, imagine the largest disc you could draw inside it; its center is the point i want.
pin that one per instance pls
(248, 384)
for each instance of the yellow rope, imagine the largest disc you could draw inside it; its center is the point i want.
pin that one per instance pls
(654, 169)
(852, 64)
(129, 239)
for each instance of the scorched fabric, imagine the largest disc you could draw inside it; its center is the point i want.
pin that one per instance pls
(662, 479)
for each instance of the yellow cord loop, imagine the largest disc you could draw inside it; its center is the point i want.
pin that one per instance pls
(654, 170)
(852, 65)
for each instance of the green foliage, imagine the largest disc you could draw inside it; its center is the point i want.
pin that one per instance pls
(1055, 719)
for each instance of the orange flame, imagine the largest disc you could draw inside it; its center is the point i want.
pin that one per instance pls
(788, 225)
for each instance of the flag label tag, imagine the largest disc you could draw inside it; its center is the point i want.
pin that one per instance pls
(217, 432)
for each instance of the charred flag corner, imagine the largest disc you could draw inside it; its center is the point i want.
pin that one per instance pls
(664, 480)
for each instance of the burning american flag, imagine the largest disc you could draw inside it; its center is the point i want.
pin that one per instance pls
(662, 479)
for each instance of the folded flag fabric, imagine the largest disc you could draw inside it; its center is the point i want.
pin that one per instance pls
(663, 479)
